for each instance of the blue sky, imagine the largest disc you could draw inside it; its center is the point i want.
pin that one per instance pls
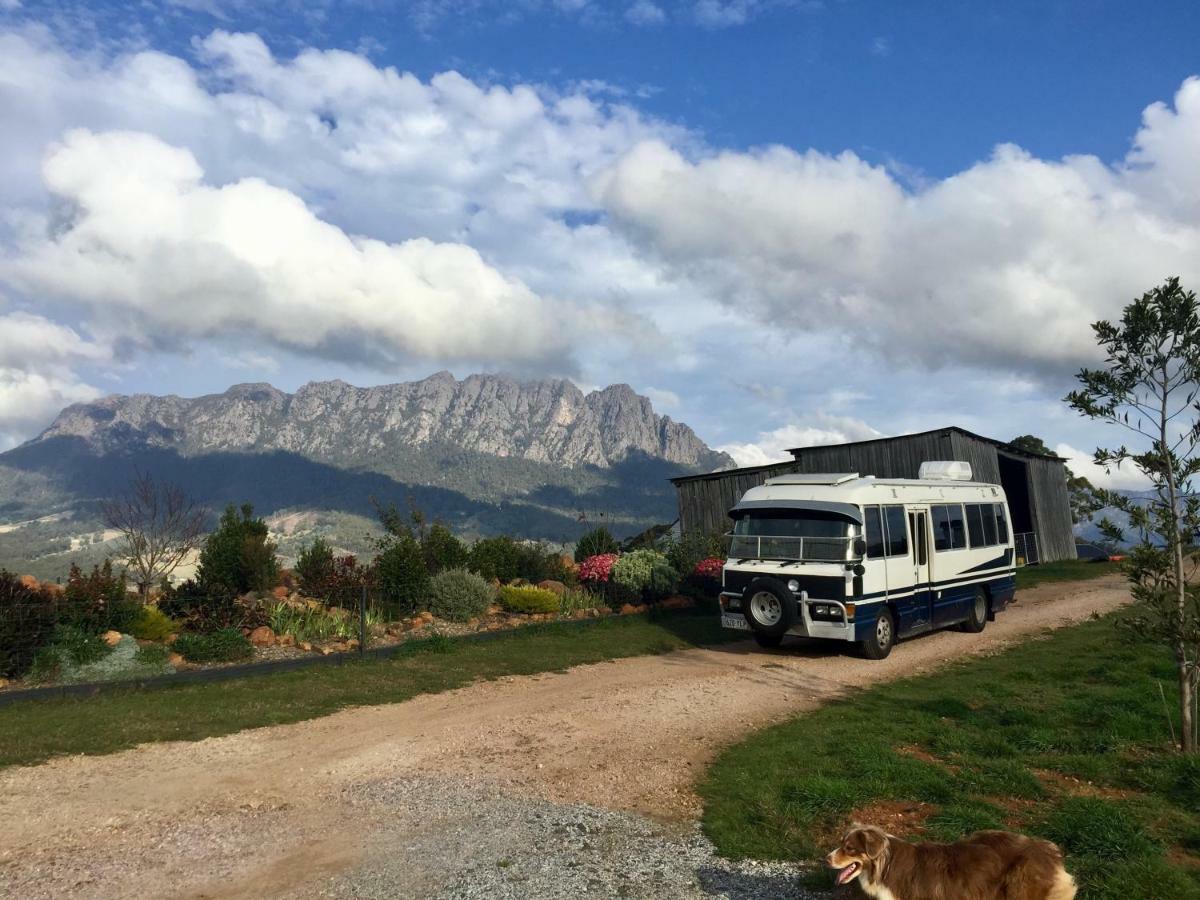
(786, 221)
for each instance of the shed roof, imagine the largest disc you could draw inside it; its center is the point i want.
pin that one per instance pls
(797, 451)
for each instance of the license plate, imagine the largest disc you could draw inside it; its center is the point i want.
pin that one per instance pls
(738, 622)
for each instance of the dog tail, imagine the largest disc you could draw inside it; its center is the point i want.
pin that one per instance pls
(1063, 887)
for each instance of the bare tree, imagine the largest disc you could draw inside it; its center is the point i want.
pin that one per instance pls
(160, 525)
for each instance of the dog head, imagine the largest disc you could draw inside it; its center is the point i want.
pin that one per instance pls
(863, 850)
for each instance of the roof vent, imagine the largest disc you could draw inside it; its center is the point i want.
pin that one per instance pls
(813, 478)
(945, 470)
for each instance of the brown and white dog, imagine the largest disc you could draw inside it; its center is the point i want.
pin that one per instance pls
(988, 865)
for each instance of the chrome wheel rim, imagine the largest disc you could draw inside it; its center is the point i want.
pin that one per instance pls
(766, 608)
(883, 631)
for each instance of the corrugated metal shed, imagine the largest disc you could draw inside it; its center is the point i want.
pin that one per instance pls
(1036, 484)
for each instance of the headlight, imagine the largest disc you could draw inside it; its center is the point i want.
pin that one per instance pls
(793, 585)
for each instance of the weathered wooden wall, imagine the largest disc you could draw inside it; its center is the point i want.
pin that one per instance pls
(705, 500)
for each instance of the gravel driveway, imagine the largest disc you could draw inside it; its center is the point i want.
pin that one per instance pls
(559, 785)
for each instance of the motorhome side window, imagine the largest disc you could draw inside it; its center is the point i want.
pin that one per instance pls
(874, 531)
(1001, 524)
(949, 531)
(897, 530)
(986, 524)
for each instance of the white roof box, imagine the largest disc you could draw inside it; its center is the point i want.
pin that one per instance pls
(945, 470)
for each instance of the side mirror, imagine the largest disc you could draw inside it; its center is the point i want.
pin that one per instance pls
(860, 547)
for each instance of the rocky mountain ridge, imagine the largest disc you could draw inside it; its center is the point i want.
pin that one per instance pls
(549, 421)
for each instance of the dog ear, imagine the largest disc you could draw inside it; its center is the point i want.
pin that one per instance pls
(874, 842)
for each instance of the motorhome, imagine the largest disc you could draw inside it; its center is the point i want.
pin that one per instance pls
(866, 560)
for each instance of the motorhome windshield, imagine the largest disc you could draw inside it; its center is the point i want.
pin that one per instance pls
(793, 534)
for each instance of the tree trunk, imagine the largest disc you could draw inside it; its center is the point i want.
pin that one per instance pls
(1187, 706)
(1187, 740)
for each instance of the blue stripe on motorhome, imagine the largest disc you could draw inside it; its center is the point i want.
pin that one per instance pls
(913, 608)
(974, 577)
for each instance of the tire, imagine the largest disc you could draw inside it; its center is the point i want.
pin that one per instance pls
(768, 641)
(977, 620)
(882, 639)
(769, 607)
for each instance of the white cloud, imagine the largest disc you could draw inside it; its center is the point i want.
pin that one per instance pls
(662, 398)
(36, 377)
(1003, 264)
(149, 243)
(723, 13)
(645, 12)
(773, 446)
(881, 46)
(1125, 478)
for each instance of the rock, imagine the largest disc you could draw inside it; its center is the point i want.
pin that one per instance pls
(426, 616)
(4, 682)
(28, 581)
(49, 587)
(112, 638)
(262, 636)
(174, 659)
(280, 593)
(628, 609)
(641, 608)
(555, 587)
(580, 614)
(305, 645)
(326, 650)
(287, 640)
(170, 639)
(417, 624)
(495, 609)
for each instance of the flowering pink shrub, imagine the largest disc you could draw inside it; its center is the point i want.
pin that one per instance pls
(597, 569)
(709, 568)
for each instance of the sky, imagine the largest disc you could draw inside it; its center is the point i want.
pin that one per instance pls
(787, 222)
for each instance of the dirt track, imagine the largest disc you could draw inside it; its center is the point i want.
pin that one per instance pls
(265, 811)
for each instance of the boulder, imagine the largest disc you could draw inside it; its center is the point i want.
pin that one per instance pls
(112, 638)
(287, 640)
(305, 645)
(579, 614)
(4, 682)
(262, 636)
(175, 660)
(280, 593)
(352, 644)
(628, 609)
(641, 608)
(28, 581)
(426, 616)
(170, 639)
(555, 587)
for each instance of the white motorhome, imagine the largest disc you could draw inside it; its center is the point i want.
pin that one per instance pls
(868, 560)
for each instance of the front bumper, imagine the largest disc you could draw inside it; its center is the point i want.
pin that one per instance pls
(806, 625)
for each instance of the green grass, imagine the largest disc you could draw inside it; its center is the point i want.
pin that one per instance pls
(34, 731)
(1063, 570)
(989, 743)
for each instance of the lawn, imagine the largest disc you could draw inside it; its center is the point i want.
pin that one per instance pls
(1064, 737)
(1063, 570)
(37, 730)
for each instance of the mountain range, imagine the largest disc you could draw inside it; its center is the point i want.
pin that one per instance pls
(487, 454)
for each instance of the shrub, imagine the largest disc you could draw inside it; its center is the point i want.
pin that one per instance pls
(496, 557)
(27, 619)
(153, 655)
(663, 582)
(597, 570)
(239, 556)
(442, 550)
(218, 646)
(198, 611)
(596, 542)
(312, 623)
(528, 600)
(687, 551)
(315, 568)
(152, 624)
(578, 598)
(635, 570)
(98, 601)
(401, 573)
(459, 595)
(78, 647)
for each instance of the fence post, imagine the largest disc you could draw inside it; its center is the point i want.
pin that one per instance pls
(362, 621)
